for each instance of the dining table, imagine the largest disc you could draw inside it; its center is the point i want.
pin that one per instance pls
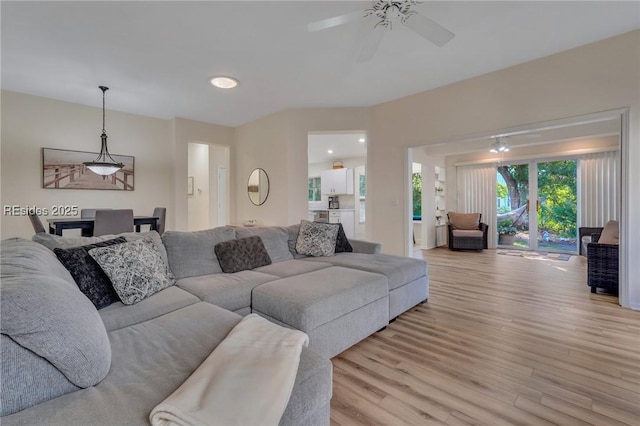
(58, 224)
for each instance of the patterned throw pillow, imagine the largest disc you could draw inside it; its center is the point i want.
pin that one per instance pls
(136, 269)
(242, 254)
(88, 275)
(316, 239)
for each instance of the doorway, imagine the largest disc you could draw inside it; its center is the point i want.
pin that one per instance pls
(208, 194)
(326, 153)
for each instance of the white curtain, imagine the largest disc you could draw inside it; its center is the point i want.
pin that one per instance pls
(598, 188)
(477, 194)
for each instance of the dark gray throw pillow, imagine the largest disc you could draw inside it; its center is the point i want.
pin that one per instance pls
(342, 243)
(242, 254)
(88, 275)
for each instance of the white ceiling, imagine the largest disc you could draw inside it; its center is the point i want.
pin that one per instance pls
(157, 56)
(343, 145)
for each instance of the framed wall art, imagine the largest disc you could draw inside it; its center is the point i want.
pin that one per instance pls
(64, 169)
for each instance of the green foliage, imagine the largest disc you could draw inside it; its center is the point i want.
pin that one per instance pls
(556, 191)
(416, 181)
(506, 227)
(502, 190)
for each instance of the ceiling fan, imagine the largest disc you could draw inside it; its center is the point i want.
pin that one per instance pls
(388, 13)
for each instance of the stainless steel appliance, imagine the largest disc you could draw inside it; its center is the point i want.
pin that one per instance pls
(321, 216)
(334, 203)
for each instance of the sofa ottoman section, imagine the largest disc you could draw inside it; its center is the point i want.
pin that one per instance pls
(337, 307)
(408, 277)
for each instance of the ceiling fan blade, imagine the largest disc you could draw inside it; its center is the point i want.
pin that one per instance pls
(335, 21)
(370, 45)
(429, 29)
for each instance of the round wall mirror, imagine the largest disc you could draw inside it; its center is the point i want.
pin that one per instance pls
(258, 187)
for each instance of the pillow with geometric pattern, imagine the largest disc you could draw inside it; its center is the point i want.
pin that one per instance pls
(316, 238)
(136, 269)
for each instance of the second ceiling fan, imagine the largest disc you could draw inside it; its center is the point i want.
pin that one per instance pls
(388, 13)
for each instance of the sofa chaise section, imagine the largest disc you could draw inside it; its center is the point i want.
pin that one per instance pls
(153, 358)
(408, 278)
(337, 307)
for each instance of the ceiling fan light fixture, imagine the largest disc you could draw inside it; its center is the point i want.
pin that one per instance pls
(500, 145)
(223, 82)
(104, 164)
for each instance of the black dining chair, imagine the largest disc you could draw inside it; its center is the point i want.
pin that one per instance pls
(37, 223)
(114, 221)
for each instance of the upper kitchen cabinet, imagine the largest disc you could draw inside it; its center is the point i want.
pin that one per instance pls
(337, 181)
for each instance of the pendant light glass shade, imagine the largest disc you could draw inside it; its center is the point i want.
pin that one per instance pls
(104, 164)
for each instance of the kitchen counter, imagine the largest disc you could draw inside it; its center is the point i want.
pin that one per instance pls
(331, 210)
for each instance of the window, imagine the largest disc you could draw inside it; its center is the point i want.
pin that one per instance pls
(416, 181)
(362, 192)
(315, 190)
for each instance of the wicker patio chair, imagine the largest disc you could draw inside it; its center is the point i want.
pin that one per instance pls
(602, 263)
(586, 231)
(470, 236)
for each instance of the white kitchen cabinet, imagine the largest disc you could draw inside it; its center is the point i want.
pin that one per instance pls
(336, 181)
(346, 218)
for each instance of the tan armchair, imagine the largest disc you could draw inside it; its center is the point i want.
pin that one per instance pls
(466, 231)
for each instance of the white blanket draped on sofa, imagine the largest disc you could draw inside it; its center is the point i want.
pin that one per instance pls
(246, 380)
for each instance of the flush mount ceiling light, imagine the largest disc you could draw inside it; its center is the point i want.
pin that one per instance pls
(361, 140)
(500, 145)
(223, 82)
(104, 164)
(330, 151)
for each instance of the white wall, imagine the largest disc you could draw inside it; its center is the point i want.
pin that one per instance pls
(278, 144)
(183, 131)
(30, 123)
(198, 203)
(597, 77)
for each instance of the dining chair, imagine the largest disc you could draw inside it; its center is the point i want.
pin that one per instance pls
(36, 223)
(161, 214)
(88, 214)
(114, 221)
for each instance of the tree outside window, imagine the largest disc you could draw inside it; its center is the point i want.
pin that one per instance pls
(416, 181)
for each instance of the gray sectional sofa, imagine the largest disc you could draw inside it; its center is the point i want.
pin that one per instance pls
(72, 364)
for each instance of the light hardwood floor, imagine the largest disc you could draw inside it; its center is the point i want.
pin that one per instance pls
(503, 340)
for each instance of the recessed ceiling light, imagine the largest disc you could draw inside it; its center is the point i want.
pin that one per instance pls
(330, 151)
(361, 140)
(224, 82)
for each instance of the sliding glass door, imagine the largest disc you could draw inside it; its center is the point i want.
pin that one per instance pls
(557, 206)
(550, 222)
(513, 201)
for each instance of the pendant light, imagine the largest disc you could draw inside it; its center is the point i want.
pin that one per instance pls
(104, 165)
